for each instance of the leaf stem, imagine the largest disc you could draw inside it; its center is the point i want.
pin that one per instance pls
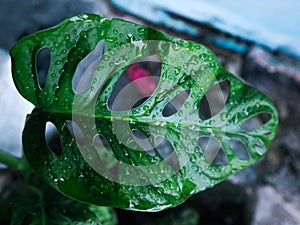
(9, 160)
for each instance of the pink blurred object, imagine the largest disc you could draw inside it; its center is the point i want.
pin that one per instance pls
(141, 79)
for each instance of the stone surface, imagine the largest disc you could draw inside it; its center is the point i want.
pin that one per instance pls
(272, 208)
(278, 76)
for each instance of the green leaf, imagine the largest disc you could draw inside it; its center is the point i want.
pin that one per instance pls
(44, 205)
(146, 157)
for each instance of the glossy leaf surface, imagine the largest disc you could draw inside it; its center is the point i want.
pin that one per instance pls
(102, 161)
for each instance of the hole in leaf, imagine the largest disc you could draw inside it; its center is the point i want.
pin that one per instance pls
(86, 68)
(76, 132)
(139, 102)
(101, 142)
(52, 139)
(165, 148)
(260, 144)
(239, 149)
(103, 149)
(175, 104)
(42, 59)
(213, 152)
(214, 100)
(136, 84)
(256, 121)
(143, 142)
(221, 158)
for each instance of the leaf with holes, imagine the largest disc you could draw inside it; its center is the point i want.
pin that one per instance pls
(142, 120)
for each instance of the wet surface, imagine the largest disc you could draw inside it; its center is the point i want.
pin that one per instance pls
(264, 193)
